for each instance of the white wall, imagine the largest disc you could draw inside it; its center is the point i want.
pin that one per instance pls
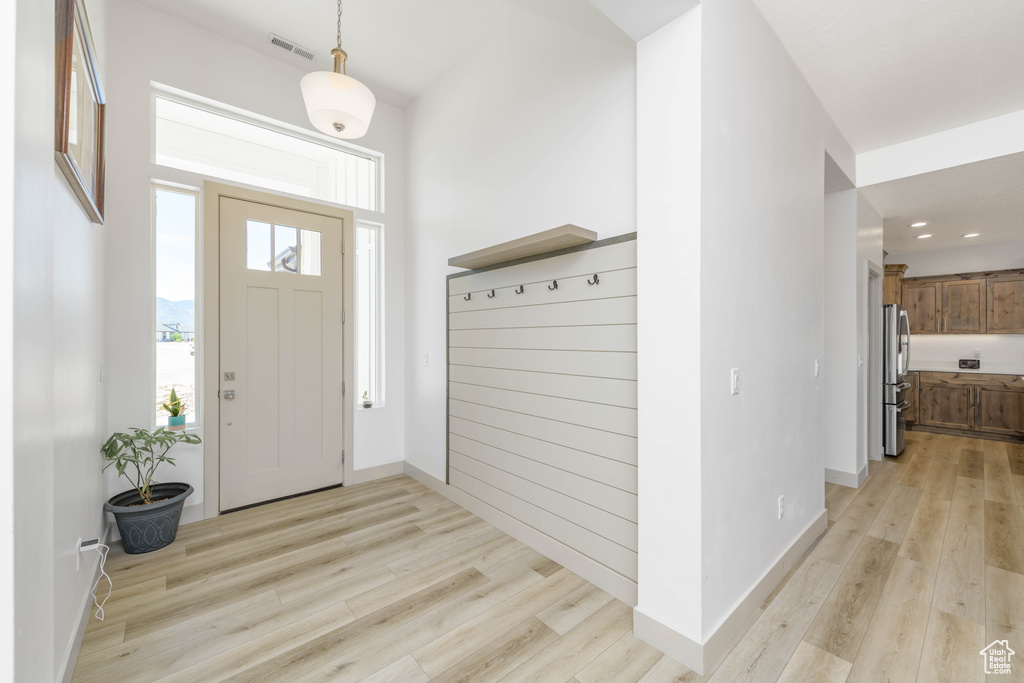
(8, 24)
(869, 397)
(149, 46)
(997, 350)
(966, 259)
(762, 285)
(669, 323)
(504, 147)
(842, 461)
(58, 400)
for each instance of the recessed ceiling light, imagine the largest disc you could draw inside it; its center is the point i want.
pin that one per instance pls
(972, 234)
(919, 224)
(921, 237)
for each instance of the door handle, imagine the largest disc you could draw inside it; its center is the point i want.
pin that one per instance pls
(229, 394)
(903, 406)
(904, 385)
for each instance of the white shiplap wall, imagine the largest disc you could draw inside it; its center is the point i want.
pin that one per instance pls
(542, 398)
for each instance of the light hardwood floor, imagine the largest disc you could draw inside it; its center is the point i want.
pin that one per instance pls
(389, 581)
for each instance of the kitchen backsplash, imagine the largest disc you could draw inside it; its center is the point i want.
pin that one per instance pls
(995, 348)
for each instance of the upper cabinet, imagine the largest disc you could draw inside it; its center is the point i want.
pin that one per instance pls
(924, 305)
(1006, 305)
(974, 303)
(892, 286)
(963, 307)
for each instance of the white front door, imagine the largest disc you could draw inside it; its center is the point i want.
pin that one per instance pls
(281, 365)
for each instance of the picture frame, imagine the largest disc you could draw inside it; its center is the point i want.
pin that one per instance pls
(80, 106)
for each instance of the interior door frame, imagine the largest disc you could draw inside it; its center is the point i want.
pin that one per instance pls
(875, 278)
(212, 193)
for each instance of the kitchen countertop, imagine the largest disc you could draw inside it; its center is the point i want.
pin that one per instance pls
(952, 366)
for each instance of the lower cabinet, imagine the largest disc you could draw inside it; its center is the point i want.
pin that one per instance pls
(943, 405)
(910, 414)
(1000, 411)
(969, 402)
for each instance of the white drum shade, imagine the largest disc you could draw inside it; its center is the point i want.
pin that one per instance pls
(336, 98)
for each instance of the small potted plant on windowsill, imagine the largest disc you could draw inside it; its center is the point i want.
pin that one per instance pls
(367, 403)
(147, 515)
(176, 410)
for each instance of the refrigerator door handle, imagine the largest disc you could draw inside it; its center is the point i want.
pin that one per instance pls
(903, 385)
(903, 406)
(905, 325)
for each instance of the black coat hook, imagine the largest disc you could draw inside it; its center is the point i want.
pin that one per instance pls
(491, 295)
(553, 285)
(468, 296)
(520, 290)
(595, 281)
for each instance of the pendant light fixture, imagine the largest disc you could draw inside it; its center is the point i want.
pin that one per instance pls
(336, 103)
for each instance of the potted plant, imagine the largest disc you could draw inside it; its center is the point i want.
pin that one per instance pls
(367, 403)
(147, 516)
(176, 408)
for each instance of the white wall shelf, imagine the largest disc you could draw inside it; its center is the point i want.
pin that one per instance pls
(568, 235)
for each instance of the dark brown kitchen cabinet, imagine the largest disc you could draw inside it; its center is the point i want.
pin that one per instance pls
(923, 303)
(892, 285)
(911, 394)
(974, 404)
(1006, 305)
(970, 303)
(944, 405)
(963, 307)
(1000, 411)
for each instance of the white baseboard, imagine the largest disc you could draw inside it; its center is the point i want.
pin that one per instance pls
(848, 479)
(705, 658)
(378, 472)
(684, 650)
(604, 578)
(75, 646)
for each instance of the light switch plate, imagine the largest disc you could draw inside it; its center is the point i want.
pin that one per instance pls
(817, 368)
(734, 381)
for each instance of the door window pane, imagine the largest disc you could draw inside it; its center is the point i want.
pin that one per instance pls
(257, 245)
(286, 249)
(175, 246)
(309, 248)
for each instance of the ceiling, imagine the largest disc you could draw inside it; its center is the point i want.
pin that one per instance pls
(399, 48)
(985, 197)
(893, 70)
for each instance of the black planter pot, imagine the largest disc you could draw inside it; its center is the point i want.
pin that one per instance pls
(145, 528)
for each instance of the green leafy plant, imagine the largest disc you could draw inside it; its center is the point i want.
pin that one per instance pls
(176, 336)
(137, 454)
(174, 406)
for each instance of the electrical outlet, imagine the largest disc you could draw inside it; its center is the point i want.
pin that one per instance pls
(734, 381)
(977, 353)
(78, 554)
(782, 507)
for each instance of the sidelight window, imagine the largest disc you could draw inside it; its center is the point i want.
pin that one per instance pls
(175, 217)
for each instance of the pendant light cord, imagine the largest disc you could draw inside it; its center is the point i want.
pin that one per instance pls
(339, 24)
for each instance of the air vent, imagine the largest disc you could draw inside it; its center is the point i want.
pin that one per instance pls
(288, 45)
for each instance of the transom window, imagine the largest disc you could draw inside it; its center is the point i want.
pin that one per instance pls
(217, 141)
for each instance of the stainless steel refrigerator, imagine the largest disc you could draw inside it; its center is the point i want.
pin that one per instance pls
(895, 362)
